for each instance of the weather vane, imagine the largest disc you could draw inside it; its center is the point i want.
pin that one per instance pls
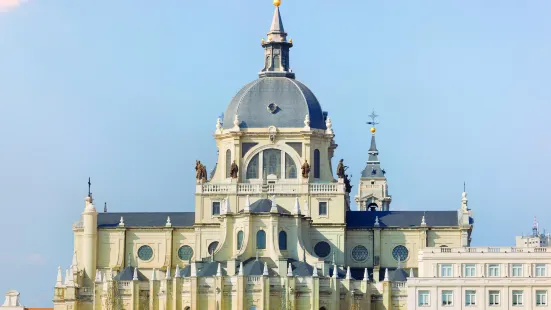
(373, 118)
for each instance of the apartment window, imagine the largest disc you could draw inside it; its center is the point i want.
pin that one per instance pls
(493, 298)
(517, 298)
(540, 270)
(470, 298)
(541, 298)
(446, 270)
(447, 298)
(493, 270)
(470, 270)
(323, 207)
(216, 208)
(424, 298)
(517, 270)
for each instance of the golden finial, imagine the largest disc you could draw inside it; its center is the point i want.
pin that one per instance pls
(262, 41)
(373, 129)
(277, 2)
(291, 41)
(270, 38)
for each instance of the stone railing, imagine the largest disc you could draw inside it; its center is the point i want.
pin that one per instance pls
(86, 291)
(491, 250)
(254, 279)
(125, 285)
(399, 285)
(278, 188)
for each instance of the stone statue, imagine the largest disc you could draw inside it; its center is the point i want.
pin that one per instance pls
(305, 169)
(200, 171)
(347, 186)
(340, 170)
(234, 170)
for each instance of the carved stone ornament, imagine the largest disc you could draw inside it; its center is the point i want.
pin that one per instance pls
(272, 131)
(305, 169)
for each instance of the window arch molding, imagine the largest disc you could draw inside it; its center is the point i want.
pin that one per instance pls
(259, 148)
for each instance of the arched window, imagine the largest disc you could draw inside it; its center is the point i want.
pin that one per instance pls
(239, 239)
(188, 308)
(290, 167)
(282, 240)
(252, 169)
(276, 63)
(261, 240)
(316, 164)
(271, 162)
(228, 163)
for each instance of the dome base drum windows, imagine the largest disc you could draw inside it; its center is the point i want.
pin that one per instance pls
(282, 240)
(145, 252)
(273, 160)
(239, 240)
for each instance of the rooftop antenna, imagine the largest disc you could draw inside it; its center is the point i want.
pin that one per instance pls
(105, 207)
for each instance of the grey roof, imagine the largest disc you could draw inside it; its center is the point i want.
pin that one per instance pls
(398, 275)
(373, 166)
(127, 274)
(302, 269)
(146, 219)
(293, 99)
(209, 269)
(186, 271)
(277, 23)
(264, 206)
(366, 219)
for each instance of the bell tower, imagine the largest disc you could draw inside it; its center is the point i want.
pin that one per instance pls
(373, 190)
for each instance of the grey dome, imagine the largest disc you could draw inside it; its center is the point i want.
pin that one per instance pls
(290, 99)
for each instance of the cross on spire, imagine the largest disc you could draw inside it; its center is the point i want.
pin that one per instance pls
(373, 118)
(89, 187)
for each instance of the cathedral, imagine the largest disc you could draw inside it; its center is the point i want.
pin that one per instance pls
(273, 226)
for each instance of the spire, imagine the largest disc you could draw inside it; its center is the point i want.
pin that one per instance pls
(276, 49)
(290, 271)
(411, 275)
(297, 207)
(386, 275)
(219, 271)
(177, 272)
(373, 168)
(335, 271)
(240, 269)
(168, 276)
(247, 205)
(154, 276)
(265, 272)
(135, 275)
(315, 272)
(66, 277)
(366, 276)
(59, 282)
(348, 275)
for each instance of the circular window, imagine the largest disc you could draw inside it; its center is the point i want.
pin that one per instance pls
(400, 253)
(360, 253)
(322, 249)
(185, 252)
(145, 252)
(212, 247)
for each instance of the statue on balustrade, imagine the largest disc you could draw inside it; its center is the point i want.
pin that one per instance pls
(347, 186)
(340, 169)
(200, 171)
(234, 170)
(305, 169)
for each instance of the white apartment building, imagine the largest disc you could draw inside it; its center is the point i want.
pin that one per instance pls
(481, 278)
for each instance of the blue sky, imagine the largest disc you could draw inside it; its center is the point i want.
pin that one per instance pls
(128, 92)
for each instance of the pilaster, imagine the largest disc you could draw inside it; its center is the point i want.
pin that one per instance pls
(240, 292)
(387, 295)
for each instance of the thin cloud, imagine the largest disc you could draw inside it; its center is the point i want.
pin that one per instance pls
(6, 5)
(36, 259)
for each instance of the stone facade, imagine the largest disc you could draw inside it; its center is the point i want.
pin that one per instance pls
(272, 228)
